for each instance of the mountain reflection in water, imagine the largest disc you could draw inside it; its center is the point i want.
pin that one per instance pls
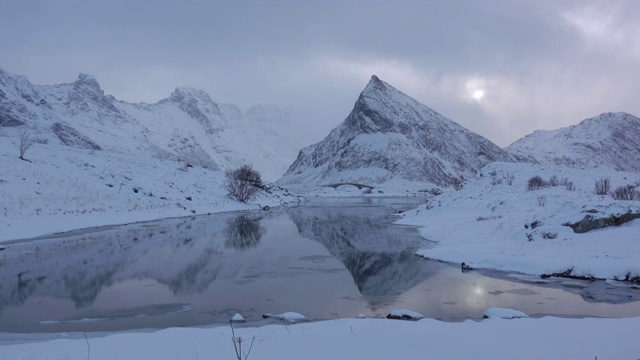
(324, 258)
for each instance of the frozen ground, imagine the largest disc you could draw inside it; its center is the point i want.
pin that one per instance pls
(491, 224)
(545, 338)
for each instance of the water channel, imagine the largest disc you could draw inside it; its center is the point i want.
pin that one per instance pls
(327, 259)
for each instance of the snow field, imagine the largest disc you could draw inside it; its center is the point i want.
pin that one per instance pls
(544, 338)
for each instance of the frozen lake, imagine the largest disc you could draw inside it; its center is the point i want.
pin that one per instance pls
(328, 259)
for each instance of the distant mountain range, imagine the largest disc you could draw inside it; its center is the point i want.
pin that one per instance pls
(187, 126)
(388, 138)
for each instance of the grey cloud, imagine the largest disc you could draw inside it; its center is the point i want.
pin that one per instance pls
(313, 57)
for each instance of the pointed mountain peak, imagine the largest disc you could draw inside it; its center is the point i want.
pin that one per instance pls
(383, 108)
(88, 80)
(375, 85)
(388, 137)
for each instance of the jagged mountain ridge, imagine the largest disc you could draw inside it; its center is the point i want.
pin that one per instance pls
(186, 126)
(610, 140)
(390, 136)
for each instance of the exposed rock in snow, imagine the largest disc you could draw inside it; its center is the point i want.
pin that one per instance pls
(610, 140)
(389, 136)
(590, 222)
(404, 315)
(503, 313)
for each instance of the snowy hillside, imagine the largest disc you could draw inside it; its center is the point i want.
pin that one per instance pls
(390, 137)
(63, 188)
(610, 140)
(187, 126)
(490, 223)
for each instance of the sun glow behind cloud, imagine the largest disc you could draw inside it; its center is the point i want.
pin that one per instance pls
(475, 89)
(478, 94)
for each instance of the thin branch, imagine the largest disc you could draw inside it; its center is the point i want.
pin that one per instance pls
(88, 347)
(246, 356)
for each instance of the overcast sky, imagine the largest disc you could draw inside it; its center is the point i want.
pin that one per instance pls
(499, 68)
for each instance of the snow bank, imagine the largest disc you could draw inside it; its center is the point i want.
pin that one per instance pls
(545, 338)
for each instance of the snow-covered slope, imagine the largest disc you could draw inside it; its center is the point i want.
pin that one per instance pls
(495, 222)
(62, 188)
(187, 126)
(610, 140)
(390, 137)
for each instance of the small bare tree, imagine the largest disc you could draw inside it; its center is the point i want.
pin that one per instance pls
(25, 141)
(536, 183)
(602, 186)
(243, 183)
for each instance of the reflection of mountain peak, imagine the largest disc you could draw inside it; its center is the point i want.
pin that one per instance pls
(380, 258)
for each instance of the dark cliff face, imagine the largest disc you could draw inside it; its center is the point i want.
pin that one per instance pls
(609, 140)
(85, 95)
(398, 137)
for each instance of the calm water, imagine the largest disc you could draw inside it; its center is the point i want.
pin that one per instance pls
(328, 259)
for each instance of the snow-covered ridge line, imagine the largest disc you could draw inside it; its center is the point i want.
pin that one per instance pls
(609, 140)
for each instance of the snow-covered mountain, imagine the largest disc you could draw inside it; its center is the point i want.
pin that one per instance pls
(609, 140)
(391, 138)
(187, 126)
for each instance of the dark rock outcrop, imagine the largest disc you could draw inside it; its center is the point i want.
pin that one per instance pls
(590, 222)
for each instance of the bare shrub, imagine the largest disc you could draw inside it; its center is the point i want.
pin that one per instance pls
(509, 178)
(569, 185)
(495, 180)
(535, 183)
(25, 142)
(457, 184)
(602, 186)
(626, 192)
(243, 183)
(542, 201)
(553, 181)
